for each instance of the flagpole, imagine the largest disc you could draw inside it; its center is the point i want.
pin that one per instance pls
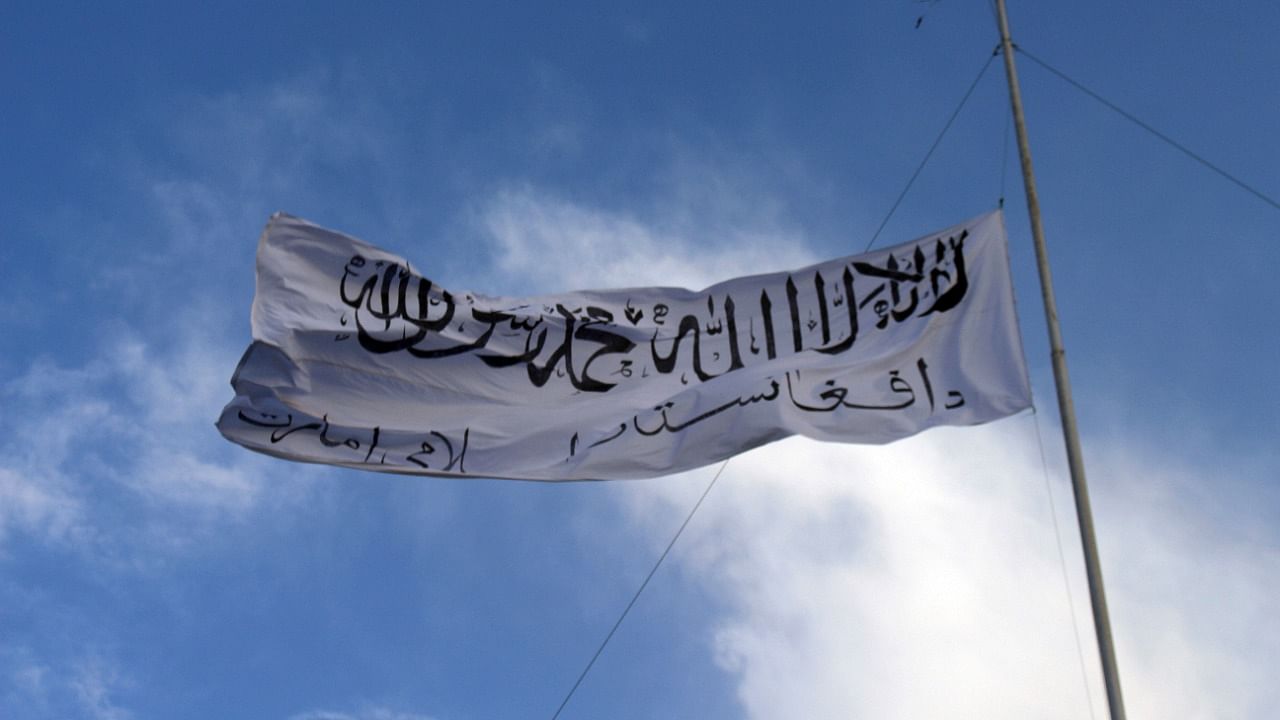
(1075, 459)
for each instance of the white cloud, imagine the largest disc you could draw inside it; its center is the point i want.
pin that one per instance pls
(922, 579)
(897, 581)
(1196, 583)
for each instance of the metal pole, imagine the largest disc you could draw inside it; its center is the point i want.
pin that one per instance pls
(1075, 458)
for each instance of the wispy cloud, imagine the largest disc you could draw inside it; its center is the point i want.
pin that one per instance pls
(87, 686)
(39, 498)
(130, 432)
(35, 505)
(94, 683)
(271, 137)
(373, 712)
(547, 244)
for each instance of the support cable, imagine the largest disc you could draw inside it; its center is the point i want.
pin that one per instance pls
(954, 114)
(639, 590)
(1004, 156)
(1136, 121)
(1062, 561)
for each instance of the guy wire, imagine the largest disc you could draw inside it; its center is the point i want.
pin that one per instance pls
(1136, 121)
(1062, 561)
(954, 114)
(639, 590)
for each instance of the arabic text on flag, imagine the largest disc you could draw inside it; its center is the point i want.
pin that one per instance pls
(358, 359)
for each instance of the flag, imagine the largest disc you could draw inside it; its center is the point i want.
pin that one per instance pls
(359, 359)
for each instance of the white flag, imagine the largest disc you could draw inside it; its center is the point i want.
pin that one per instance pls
(359, 360)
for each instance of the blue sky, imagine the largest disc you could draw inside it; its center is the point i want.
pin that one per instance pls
(150, 569)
